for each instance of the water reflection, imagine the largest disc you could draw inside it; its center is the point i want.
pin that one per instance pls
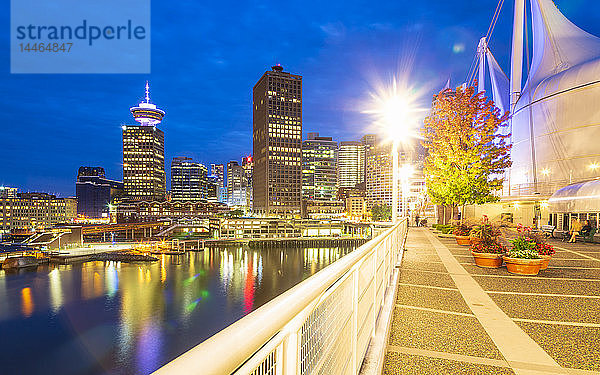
(119, 318)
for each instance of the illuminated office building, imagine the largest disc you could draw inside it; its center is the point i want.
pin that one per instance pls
(218, 170)
(319, 168)
(351, 163)
(28, 212)
(277, 143)
(188, 180)
(236, 185)
(144, 154)
(248, 166)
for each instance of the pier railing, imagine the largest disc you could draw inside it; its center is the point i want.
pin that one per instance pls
(321, 326)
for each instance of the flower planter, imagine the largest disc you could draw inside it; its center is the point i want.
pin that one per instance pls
(545, 261)
(488, 260)
(523, 266)
(475, 240)
(463, 240)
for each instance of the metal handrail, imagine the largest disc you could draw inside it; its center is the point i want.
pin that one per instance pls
(272, 325)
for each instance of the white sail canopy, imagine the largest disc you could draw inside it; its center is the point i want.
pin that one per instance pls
(556, 123)
(557, 43)
(500, 84)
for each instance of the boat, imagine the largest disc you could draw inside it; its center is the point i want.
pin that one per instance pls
(20, 262)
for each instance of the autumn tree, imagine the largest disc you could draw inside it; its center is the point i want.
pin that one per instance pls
(467, 147)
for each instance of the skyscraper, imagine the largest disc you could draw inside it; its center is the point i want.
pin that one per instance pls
(319, 168)
(144, 154)
(95, 192)
(188, 180)
(236, 185)
(248, 166)
(370, 141)
(351, 163)
(277, 142)
(218, 170)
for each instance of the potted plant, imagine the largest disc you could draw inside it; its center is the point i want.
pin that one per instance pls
(461, 233)
(523, 259)
(488, 254)
(484, 231)
(545, 251)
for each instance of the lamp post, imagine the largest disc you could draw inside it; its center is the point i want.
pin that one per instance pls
(395, 178)
(395, 112)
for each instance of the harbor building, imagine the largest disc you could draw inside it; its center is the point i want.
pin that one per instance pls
(29, 212)
(144, 154)
(277, 143)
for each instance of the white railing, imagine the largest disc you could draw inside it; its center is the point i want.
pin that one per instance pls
(321, 326)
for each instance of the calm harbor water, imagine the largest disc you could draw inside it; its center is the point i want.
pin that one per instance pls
(120, 318)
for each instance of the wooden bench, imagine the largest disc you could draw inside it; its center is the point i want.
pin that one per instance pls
(549, 229)
(589, 237)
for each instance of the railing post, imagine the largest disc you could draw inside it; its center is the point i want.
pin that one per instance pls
(279, 365)
(290, 354)
(354, 331)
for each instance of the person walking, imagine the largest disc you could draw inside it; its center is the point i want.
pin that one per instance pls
(575, 230)
(417, 220)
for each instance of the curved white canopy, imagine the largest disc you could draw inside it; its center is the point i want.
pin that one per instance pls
(577, 198)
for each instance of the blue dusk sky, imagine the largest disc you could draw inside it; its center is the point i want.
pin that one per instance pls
(206, 57)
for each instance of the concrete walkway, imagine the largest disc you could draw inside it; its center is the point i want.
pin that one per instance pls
(452, 317)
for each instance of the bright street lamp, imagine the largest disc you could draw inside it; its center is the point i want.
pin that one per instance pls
(394, 109)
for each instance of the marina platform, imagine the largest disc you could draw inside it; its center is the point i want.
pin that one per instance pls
(452, 317)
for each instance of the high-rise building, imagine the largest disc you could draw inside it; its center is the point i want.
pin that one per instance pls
(351, 163)
(370, 141)
(277, 143)
(379, 176)
(188, 180)
(144, 154)
(319, 168)
(35, 211)
(248, 166)
(95, 192)
(218, 170)
(236, 185)
(211, 189)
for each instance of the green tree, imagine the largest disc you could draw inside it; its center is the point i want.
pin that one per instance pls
(381, 212)
(467, 148)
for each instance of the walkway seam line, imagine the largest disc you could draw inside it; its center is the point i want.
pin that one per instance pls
(577, 253)
(434, 310)
(541, 294)
(428, 286)
(558, 322)
(514, 344)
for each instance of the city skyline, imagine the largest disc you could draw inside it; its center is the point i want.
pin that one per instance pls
(70, 104)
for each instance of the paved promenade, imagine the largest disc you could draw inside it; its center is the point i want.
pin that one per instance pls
(452, 317)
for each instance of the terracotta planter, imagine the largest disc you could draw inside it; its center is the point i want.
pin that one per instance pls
(475, 240)
(463, 240)
(488, 260)
(523, 266)
(546, 260)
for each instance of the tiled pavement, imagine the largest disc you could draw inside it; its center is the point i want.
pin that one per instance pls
(441, 328)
